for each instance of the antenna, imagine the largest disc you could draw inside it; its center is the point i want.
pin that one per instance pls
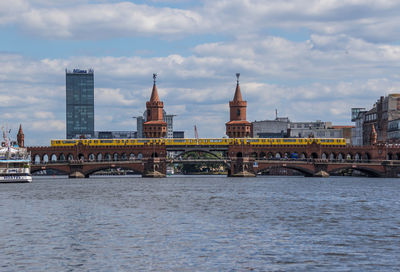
(276, 114)
(196, 135)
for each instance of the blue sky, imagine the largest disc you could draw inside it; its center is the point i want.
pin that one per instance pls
(309, 59)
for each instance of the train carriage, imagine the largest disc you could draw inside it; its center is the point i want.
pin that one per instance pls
(200, 141)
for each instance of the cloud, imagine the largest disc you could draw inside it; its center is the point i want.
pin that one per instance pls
(373, 21)
(320, 78)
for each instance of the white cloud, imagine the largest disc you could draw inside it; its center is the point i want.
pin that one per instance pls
(321, 78)
(370, 20)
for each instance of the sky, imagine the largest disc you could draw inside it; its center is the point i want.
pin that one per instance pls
(309, 59)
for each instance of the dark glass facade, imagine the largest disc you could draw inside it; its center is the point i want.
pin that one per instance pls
(80, 103)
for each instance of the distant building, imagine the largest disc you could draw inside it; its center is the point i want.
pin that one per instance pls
(282, 127)
(168, 118)
(346, 132)
(308, 129)
(357, 116)
(277, 128)
(380, 122)
(178, 134)
(393, 133)
(80, 103)
(139, 124)
(115, 134)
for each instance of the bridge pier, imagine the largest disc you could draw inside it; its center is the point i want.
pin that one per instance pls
(392, 169)
(155, 168)
(321, 170)
(242, 167)
(76, 170)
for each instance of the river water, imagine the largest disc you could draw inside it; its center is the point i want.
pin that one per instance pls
(200, 224)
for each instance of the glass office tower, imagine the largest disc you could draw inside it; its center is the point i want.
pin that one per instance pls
(80, 103)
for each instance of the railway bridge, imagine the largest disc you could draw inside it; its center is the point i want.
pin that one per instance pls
(150, 160)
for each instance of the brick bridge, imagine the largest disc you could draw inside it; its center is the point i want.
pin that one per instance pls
(241, 160)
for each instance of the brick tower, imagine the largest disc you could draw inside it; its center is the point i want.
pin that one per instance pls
(238, 126)
(20, 137)
(154, 127)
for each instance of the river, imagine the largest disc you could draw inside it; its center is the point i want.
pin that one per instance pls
(203, 223)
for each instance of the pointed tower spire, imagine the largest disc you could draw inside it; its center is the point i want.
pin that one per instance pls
(20, 136)
(238, 93)
(238, 126)
(154, 93)
(155, 126)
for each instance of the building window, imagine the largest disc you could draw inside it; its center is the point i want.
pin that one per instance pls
(238, 112)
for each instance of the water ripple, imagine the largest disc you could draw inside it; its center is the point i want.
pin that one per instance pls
(200, 224)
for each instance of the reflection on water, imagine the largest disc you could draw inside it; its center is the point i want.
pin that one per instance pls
(200, 224)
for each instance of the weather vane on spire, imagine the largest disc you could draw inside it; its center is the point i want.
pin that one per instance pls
(237, 77)
(155, 77)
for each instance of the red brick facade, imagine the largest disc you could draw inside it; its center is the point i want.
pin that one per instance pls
(238, 126)
(154, 127)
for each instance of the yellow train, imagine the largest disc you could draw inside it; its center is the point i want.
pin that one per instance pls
(202, 141)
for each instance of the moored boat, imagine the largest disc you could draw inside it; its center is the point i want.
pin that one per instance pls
(14, 163)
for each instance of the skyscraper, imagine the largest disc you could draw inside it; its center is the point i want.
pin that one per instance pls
(80, 103)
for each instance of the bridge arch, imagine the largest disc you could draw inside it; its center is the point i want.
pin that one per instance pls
(107, 157)
(332, 156)
(115, 156)
(70, 157)
(314, 155)
(91, 157)
(81, 157)
(99, 156)
(132, 156)
(263, 156)
(324, 156)
(306, 172)
(239, 154)
(49, 167)
(36, 159)
(357, 157)
(102, 168)
(45, 158)
(53, 157)
(369, 171)
(61, 157)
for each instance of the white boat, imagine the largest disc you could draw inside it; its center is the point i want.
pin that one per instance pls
(14, 163)
(170, 171)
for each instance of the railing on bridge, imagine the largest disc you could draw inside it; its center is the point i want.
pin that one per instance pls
(224, 159)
